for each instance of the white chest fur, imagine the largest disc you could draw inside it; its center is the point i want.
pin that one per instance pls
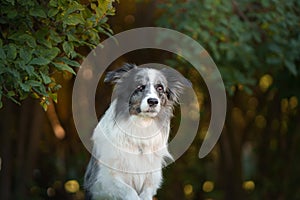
(131, 150)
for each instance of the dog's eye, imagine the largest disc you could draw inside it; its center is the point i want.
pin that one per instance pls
(160, 88)
(140, 88)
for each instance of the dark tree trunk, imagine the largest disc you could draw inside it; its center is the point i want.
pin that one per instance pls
(231, 143)
(20, 134)
(230, 167)
(21, 147)
(8, 126)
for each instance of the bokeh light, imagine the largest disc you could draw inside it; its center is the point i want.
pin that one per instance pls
(293, 102)
(265, 82)
(260, 121)
(284, 105)
(72, 186)
(208, 186)
(249, 185)
(188, 189)
(51, 192)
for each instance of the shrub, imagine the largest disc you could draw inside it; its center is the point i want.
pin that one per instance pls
(41, 38)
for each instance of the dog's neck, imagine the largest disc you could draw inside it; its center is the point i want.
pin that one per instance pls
(141, 121)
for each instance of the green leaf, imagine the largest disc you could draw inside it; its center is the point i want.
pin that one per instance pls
(55, 37)
(63, 67)
(74, 7)
(30, 41)
(51, 53)
(11, 93)
(99, 12)
(71, 37)
(93, 6)
(291, 67)
(2, 54)
(73, 20)
(25, 54)
(28, 3)
(30, 70)
(11, 1)
(23, 95)
(52, 12)
(15, 36)
(24, 38)
(11, 14)
(40, 61)
(56, 87)
(11, 51)
(33, 83)
(53, 96)
(25, 87)
(53, 3)
(46, 78)
(44, 105)
(272, 60)
(41, 90)
(14, 73)
(38, 12)
(45, 42)
(35, 95)
(66, 60)
(68, 48)
(273, 47)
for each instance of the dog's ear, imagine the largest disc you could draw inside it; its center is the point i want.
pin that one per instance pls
(176, 83)
(114, 76)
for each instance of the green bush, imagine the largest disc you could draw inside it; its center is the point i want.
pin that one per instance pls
(243, 37)
(41, 38)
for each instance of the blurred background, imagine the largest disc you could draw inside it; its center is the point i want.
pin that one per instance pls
(255, 45)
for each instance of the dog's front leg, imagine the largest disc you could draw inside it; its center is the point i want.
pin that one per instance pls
(129, 194)
(151, 184)
(118, 189)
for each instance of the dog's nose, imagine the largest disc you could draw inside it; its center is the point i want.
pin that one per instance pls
(152, 101)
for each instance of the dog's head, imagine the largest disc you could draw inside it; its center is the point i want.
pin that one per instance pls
(146, 92)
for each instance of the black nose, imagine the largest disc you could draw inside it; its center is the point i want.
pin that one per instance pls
(152, 101)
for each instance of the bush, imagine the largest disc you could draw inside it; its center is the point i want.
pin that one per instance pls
(243, 37)
(41, 38)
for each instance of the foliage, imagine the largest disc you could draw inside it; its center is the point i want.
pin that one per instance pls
(40, 38)
(245, 38)
(255, 45)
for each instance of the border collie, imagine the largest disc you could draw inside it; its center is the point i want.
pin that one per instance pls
(130, 141)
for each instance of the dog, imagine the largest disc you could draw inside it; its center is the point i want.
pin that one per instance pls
(130, 141)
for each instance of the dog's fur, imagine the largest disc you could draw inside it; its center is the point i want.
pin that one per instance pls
(130, 141)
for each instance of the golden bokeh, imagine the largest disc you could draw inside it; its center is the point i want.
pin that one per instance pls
(260, 121)
(284, 105)
(249, 185)
(188, 189)
(208, 186)
(293, 102)
(265, 82)
(72, 186)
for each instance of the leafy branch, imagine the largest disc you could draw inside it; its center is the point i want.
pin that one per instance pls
(41, 38)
